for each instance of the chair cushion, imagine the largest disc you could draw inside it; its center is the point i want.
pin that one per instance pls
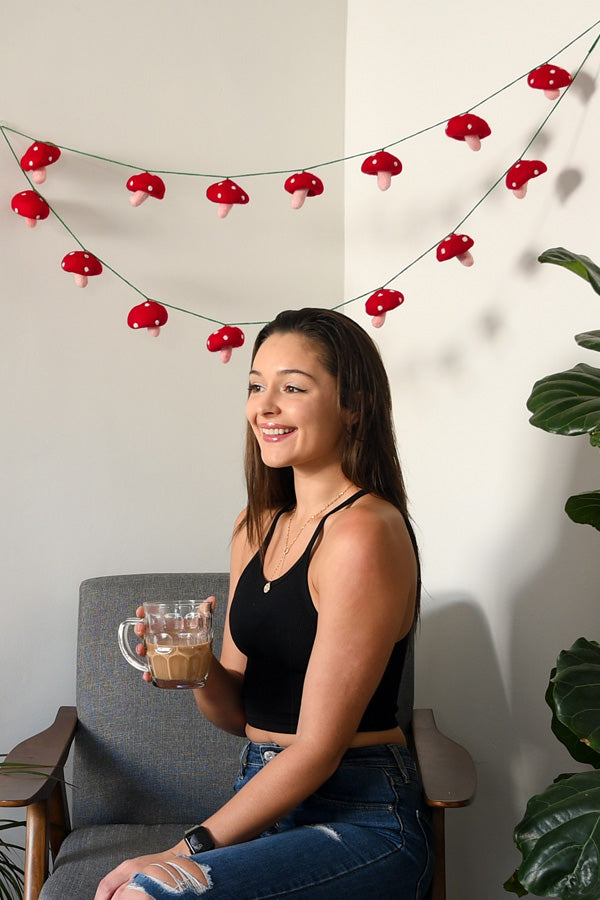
(87, 854)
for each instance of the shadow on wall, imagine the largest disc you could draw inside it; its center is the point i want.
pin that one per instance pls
(550, 611)
(458, 675)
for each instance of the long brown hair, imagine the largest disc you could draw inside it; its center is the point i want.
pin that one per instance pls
(369, 456)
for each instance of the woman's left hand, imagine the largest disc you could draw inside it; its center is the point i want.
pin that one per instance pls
(112, 885)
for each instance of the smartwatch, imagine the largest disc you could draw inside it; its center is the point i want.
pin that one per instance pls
(198, 839)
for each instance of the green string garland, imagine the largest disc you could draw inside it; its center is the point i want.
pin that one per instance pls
(5, 128)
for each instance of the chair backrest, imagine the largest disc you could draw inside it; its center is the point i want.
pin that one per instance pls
(145, 755)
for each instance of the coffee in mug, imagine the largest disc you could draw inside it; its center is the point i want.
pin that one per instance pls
(178, 640)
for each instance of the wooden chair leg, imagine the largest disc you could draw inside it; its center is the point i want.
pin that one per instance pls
(437, 890)
(36, 849)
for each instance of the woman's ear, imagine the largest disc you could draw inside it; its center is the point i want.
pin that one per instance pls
(350, 417)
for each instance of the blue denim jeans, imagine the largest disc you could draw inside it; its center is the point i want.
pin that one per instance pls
(365, 829)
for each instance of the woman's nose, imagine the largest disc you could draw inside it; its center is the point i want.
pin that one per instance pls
(269, 404)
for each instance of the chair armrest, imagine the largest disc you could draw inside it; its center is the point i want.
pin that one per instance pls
(447, 770)
(43, 754)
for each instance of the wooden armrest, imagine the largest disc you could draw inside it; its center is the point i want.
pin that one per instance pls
(45, 754)
(447, 770)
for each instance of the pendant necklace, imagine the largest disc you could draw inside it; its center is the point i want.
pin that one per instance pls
(289, 544)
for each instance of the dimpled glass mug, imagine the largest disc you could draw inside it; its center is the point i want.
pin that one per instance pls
(178, 641)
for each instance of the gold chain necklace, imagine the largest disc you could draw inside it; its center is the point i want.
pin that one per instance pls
(289, 544)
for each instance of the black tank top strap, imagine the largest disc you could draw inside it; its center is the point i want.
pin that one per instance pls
(319, 527)
(272, 526)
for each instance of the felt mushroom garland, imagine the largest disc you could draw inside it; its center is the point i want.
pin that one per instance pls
(31, 206)
(36, 158)
(150, 315)
(384, 165)
(382, 302)
(82, 265)
(549, 79)
(521, 173)
(225, 340)
(303, 185)
(468, 128)
(456, 246)
(144, 185)
(227, 194)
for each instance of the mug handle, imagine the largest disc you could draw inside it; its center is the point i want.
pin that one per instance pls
(132, 658)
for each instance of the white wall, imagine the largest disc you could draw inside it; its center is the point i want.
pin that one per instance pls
(120, 452)
(509, 579)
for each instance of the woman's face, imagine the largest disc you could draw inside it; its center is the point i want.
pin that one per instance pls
(292, 405)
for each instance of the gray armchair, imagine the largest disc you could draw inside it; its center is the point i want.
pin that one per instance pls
(146, 764)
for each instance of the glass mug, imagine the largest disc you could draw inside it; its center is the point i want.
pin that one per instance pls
(178, 641)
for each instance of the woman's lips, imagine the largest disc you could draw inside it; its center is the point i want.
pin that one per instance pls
(275, 433)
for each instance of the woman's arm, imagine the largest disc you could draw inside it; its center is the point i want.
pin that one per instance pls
(220, 700)
(364, 580)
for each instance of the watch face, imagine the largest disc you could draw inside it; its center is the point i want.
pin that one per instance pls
(199, 840)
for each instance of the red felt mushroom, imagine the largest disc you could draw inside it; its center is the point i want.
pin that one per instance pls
(36, 158)
(549, 79)
(384, 165)
(82, 265)
(226, 193)
(144, 185)
(303, 185)
(380, 303)
(456, 245)
(468, 128)
(522, 172)
(225, 340)
(150, 315)
(31, 206)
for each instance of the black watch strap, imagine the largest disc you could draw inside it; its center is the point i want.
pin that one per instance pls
(198, 839)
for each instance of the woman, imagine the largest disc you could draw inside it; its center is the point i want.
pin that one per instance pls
(324, 597)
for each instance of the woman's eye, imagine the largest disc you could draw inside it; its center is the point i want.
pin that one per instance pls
(254, 388)
(293, 389)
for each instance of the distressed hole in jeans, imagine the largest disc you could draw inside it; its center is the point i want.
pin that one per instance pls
(180, 880)
(328, 830)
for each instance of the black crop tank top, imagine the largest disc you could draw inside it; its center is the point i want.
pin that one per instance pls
(276, 631)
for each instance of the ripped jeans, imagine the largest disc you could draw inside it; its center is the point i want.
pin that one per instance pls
(365, 829)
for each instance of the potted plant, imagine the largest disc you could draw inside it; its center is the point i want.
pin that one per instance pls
(559, 835)
(11, 872)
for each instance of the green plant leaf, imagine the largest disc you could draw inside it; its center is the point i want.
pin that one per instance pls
(567, 402)
(559, 839)
(589, 339)
(514, 886)
(584, 509)
(578, 750)
(581, 265)
(577, 692)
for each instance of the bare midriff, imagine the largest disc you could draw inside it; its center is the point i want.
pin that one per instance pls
(360, 739)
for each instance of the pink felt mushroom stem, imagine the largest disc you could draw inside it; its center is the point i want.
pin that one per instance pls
(154, 330)
(223, 209)
(38, 176)
(466, 258)
(298, 198)
(377, 321)
(138, 197)
(31, 222)
(551, 93)
(473, 141)
(225, 354)
(384, 179)
(520, 192)
(80, 280)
